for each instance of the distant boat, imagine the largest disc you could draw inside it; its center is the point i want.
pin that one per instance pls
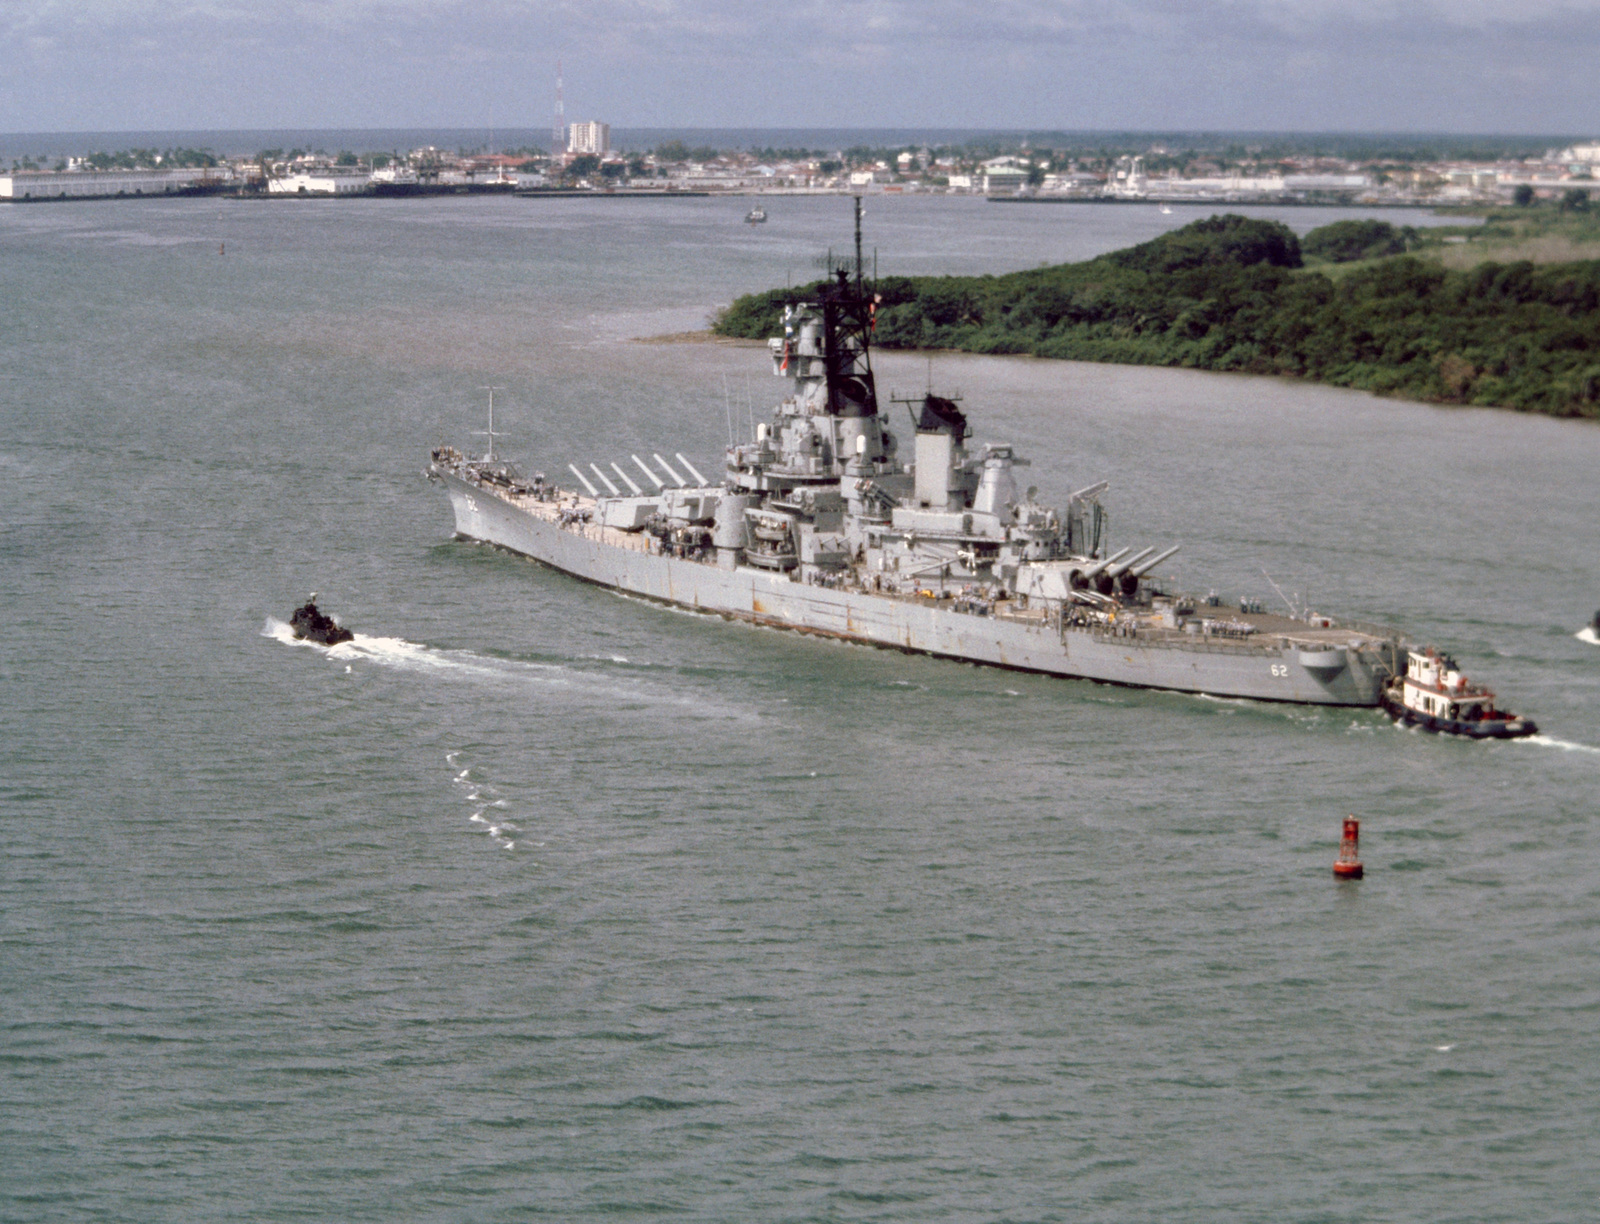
(395, 179)
(755, 216)
(311, 624)
(1166, 210)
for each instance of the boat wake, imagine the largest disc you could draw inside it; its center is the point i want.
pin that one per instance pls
(488, 808)
(603, 678)
(410, 656)
(1565, 745)
(1587, 634)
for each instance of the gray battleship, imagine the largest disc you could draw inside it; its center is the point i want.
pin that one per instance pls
(822, 525)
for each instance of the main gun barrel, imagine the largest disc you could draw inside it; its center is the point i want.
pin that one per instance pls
(1144, 567)
(1101, 564)
(1121, 567)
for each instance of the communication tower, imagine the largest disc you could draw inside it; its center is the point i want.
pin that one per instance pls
(558, 128)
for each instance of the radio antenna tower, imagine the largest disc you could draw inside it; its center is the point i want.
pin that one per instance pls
(558, 128)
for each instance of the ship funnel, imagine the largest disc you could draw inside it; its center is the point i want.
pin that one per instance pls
(935, 466)
(1144, 567)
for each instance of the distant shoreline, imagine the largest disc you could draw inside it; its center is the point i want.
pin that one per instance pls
(1190, 201)
(455, 191)
(704, 336)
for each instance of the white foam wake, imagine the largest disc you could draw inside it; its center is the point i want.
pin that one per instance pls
(603, 685)
(397, 652)
(1587, 634)
(489, 810)
(1565, 745)
(411, 656)
(279, 631)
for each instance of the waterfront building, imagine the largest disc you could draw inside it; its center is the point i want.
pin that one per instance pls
(591, 138)
(1581, 154)
(319, 182)
(998, 179)
(101, 184)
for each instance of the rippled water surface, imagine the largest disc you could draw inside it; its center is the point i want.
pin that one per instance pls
(535, 902)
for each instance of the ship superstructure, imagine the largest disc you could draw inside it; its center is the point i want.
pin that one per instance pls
(823, 524)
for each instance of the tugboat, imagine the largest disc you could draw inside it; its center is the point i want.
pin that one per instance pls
(311, 624)
(1434, 695)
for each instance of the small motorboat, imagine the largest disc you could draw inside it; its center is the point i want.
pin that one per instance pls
(1591, 632)
(755, 216)
(1434, 695)
(311, 624)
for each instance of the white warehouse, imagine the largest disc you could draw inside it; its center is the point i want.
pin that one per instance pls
(319, 182)
(101, 184)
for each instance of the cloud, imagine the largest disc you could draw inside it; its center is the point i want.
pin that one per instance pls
(1481, 64)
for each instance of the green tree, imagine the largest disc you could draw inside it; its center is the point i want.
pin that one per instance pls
(1225, 294)
(1574, 199)
(1229, 239)
(1345, 241)
(1522, 196)
(581, 167)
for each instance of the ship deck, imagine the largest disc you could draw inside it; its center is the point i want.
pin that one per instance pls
(1268, 632)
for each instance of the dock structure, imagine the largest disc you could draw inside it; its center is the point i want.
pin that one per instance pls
(29, 185)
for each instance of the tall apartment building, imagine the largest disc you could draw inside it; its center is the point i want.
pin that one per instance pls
(589, 137)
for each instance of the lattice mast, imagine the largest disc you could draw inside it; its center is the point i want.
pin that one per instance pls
(558, 125)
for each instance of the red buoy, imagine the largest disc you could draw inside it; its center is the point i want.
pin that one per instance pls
(1347, 866)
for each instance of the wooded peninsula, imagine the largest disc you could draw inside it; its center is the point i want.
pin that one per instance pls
(1356, 304)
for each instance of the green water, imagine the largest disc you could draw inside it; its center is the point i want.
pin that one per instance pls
(542, 903)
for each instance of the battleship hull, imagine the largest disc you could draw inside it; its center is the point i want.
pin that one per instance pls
(1352, 674)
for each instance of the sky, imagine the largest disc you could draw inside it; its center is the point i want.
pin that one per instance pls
(1479, 66)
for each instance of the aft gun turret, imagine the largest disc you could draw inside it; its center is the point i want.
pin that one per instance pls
(1081, 578)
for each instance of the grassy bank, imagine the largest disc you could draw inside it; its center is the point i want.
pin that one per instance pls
(1356, 304)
